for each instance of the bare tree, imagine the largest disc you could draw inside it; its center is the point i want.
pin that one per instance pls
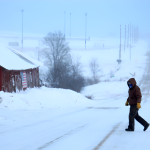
(57, 57)
(62, 72)
(77, 80)
(57, 50)
(95, 70)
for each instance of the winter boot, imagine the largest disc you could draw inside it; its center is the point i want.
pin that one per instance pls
(146, 126)
(129, 129)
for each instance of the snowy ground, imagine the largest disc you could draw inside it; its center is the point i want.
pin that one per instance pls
(57, 119)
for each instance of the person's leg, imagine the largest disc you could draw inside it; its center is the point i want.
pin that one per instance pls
(142, 121)
(132, 114)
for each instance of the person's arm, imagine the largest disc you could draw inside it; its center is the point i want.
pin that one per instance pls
(138, 97)
(127, 102)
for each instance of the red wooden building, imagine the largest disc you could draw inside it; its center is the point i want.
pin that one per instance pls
(17, 71)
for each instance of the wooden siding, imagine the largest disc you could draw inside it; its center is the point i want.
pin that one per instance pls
(0, 78)
(12, 81)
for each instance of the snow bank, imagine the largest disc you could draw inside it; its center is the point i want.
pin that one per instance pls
(43, 97)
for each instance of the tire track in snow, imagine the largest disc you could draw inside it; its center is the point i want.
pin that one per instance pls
(106, 137)
(41, 122)
(59, 138)
(102, 107)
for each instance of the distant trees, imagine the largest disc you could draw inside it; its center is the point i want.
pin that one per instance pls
(95, 70)
(62, 71)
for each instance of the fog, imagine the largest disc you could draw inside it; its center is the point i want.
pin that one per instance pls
(103, 18)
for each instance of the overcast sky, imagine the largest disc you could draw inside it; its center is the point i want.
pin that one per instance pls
(104, 17)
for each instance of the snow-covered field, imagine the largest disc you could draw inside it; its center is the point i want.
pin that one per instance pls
(57, 119)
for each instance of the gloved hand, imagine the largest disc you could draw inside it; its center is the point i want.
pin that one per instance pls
(127, 103)
(138, 105)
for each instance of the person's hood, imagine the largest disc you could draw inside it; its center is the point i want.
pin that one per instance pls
(132, 81)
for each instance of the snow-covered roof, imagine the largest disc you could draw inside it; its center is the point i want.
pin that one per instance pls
(12, 59)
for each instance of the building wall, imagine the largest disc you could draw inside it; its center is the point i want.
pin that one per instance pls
(0, 78)
(12, 80)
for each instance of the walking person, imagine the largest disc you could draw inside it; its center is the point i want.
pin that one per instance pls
(134, 101)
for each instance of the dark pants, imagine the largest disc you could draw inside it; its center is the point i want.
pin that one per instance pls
(134, 114)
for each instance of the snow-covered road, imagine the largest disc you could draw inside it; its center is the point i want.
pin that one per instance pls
(72, 129)
(81, 128)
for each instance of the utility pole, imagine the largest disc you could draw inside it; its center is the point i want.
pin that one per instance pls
(70, 25)
(64, 22)
(22, 27)
(137, 33)
(130, 41)
(132, 34)
(119, 60)
(120, 44)
(125, 39)
(85, 27)
(128, 37)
